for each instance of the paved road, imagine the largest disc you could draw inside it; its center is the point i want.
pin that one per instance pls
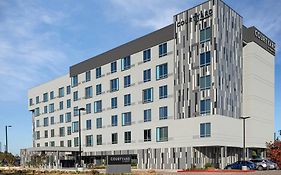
(272, 172)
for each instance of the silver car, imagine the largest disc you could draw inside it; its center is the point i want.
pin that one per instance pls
(261, 164)
(272, 165)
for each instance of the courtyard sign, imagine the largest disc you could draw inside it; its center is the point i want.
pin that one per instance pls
(196, 17)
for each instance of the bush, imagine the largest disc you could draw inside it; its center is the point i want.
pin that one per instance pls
(208, 165)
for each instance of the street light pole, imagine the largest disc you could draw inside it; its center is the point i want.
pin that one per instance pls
(79, 121)
(244, 136)
(6, 131)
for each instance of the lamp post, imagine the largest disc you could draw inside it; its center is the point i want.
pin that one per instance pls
(244, 136)
(79, 121)
(6, 131)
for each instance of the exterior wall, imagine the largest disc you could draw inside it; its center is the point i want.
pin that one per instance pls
(225, 69)
(258, 96)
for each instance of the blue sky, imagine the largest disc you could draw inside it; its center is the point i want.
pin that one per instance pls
(40, 39)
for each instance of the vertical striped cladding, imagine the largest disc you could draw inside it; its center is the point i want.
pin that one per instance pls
(225, 69)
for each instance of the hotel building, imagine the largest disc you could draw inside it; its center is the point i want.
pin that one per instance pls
(172, 99)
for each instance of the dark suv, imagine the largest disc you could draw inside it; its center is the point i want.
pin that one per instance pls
(238, 165)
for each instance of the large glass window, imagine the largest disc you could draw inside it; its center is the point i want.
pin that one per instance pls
(162, 49)
(52, 95)
(75, 96)
(147, 75)
(52, 133)
(127, 100)
(205, 130)
(163, 112)
(114, 138)
(68, 90)
(147, 135)
(113, 67)
(162, 134)
(205, 34)
(99, 139)
(61, 92)
(61, 118)
(75, 126)
(114, 85)
(46, 121)
(45, 109)
(88, 108)
(163, 91)
(75, 111)
(88, 124)
(45, 97)
(161, 71)
(98, 72)
(74, 81)
(127, 137)
(68, 117)
(126, 119)
(89, 140)
(88, 92)
(205, 59)
(88, 76)
(125, 63)
(147, 95)
(147, 115)
(113, 102)
(146, 55)
(205, 106)
(98, 106)
(52, 120)
(205, 82)
(98, 89)
(127, 81)
(68, 103)
(51, 108)
(76, 141)
(68, 130)
(61, 105)
(37, 100)
(37, 123)
(114, 120)
(99, 122)
(62, 131)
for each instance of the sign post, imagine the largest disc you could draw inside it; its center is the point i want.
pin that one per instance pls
(118, 164)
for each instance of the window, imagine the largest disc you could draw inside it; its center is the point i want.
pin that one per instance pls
(127, 81)
(113, 102)
(45, 97)
(62, 143)
(52, 133)
(89, 140)
(61, 105)
(114, 85)
(127, 100)
(68, 117)
(147, 75)
(162, 50)
(88, 92)
(127, 137)
(76, 143)
(205, 34)
(68, 90)
(46, 121)
(163, 112)
(147, 135)
(147, 115)
(61, 92)
(162, 134)
(62, 131)
(147, 95)
(52, 143)
(75, 96)
(37, 135)
(36, 112)
(114, 120)
(37, 100)
(75, 126)
(114, 138)
(88, 76)
(205, 59)
(113, 67)
(205, 130)
(99, 122)
(98, 72)
(52, 95)
(30, 102)
(205, 82)
(69, 143)
(68, 130)
(75, 111)
(163, 91)
(161, 71)
(97, 106)
(98, 89)
(88, 124)
(146, 55)
(46, 133)
(52, 120)
(88, 108)
(125, 63)
(205, 106)
(46, 144)
(99, 139)
(68, 103)
(61, 118)
(37, 123)
(126, 119)
(51, 108)
(74, 81)
(45, 109)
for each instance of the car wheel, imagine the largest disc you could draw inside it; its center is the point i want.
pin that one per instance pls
(260, 168)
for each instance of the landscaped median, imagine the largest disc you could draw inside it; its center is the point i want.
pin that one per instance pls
(215, 171)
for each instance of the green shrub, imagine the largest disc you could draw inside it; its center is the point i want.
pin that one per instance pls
(208, 165)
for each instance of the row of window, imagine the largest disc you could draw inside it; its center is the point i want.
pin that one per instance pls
(126, 119)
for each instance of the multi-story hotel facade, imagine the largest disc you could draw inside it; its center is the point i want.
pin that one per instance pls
(172, 99)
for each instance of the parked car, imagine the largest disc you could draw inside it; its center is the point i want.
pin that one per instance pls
(239, 164)
(272, 165)
(261, 164)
